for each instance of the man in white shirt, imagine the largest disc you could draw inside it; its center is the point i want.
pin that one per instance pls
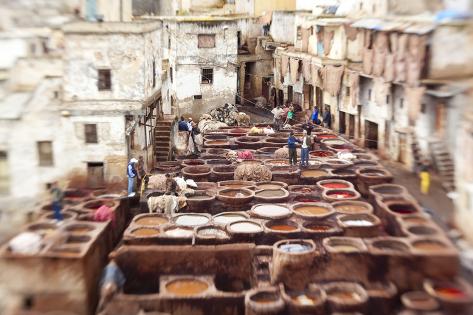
(306, 146)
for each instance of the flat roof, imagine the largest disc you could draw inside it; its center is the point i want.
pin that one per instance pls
(195, 18)
(13, 104)
(134, 27)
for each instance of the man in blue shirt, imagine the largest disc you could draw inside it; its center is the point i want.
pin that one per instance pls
(291, 144)
(131, 174)
(315, 115)
(182, 125)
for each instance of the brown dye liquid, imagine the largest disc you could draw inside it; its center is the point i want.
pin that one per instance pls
(374, 173)
(145, 232)
(314, 173)
(429, 246)
(283, 227)
(351, 208)
(311, 210)
(346, 296)
(151, 221)
(186, 287)
(270, 193)
(345, 248)
(233, 193)
(217, 142)
(79, 229)
(269, 186)
(415, 220)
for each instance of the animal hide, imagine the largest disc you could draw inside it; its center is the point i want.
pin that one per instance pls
(294, 69)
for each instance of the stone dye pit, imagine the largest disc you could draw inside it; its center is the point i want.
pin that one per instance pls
(296, 244)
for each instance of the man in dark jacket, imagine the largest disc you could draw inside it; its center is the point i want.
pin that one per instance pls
(291, 144)
(327, 118)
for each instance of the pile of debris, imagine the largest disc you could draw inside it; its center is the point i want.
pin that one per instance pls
(229, 115)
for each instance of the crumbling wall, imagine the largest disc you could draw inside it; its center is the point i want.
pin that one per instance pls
(451, 52)
(283, 27)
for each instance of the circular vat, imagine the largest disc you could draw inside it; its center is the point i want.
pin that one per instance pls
(191, 219)
(211, 232)
(419, 301)
(150, 219)
(282, 226)
(313, 210)
(422, 230)
(186, 287)
(245, 227)
(229, 217)
(344, 245)
(334, 184)
(271, 211)
(429, 245)
(390, 245)
(403, 208)
(352, 207)
(79, 228)
(178, 231)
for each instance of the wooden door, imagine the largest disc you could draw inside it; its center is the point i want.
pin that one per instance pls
(95, 175)
(402, 148)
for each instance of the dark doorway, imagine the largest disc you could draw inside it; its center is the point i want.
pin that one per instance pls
(359, 120)
(318, 97)
(402, 148)
(265, 83)
(371, 131)
(342, 123)
(95, 174)
(307, 96)
(351, 127)
(289, 93)
(280, 97)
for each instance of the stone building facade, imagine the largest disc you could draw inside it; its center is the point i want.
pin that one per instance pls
(200, 60)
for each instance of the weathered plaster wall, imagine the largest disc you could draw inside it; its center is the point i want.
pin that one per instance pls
(187, 59)
(123, 54)
(450, 48)
(10, 50)
(283, 27)
(355, 47)
(29, 72)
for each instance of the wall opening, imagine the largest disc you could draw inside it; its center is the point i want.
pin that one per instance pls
(342, 122)
(351, 126)
(95, 174)
(371, 139)
(4, 174)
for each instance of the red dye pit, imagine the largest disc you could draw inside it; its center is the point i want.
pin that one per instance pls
(329, 136)
(450, 293)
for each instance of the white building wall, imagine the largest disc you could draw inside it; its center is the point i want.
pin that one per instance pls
(283, 27)
(123, 54)
(187, 59)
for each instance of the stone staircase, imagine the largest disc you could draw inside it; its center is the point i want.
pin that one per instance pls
(443, 163)
(162, 140)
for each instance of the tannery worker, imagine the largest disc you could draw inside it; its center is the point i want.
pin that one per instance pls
(112, 282)
(315, 116)
(131, 174)
(182, 125)
(327, 118)
(58, 196)
(171, 185)
(291, 144)
(306, 146)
